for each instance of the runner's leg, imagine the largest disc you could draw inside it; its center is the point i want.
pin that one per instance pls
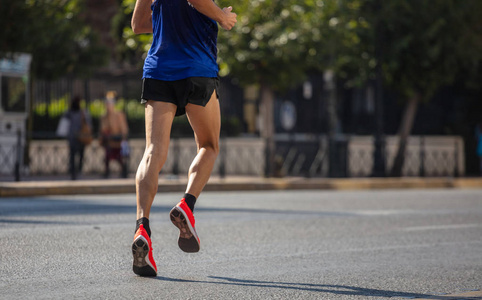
(159, 117)
(206, 124)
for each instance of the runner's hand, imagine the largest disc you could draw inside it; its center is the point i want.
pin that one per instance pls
(229, 19)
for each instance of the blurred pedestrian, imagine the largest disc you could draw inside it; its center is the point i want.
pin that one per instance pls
(78, 135)
(113, 135)
(478, 136)
(180, 77)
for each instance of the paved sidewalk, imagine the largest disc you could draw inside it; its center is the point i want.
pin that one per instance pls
(230, 183)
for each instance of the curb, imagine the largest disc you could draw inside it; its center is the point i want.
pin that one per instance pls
(124, 186)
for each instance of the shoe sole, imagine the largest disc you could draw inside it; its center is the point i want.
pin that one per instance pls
(188, 240)
(141, 265)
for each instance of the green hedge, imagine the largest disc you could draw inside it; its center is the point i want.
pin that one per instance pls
(47, 116)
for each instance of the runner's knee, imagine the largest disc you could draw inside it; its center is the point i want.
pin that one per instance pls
(212, 147)
(155, 157)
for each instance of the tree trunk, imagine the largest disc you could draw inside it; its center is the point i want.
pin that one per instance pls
(379, 158)
(331, 102)
(267, 127)
(336, 157)
(405, 129)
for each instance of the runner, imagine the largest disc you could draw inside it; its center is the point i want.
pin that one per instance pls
(180, 77)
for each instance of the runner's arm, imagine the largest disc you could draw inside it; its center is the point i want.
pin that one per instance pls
(142, 18)
(224, 17)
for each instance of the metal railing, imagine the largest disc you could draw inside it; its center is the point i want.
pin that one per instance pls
(240, 157)
(306, 156)
(432, 156)
(11, 153)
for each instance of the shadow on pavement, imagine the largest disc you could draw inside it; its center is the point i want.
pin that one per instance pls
(44, 206)
(312, 287)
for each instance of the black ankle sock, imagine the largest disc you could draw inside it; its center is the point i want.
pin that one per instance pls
(144, 221)
(190, 201)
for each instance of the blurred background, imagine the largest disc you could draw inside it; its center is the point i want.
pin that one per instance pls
(311, 88)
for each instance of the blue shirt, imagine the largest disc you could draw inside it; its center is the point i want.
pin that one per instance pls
(184, 42)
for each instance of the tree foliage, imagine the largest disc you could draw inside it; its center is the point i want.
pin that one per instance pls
(131, 47)
(438, 43)
(54, 33)
(275, 42)
(422, 44)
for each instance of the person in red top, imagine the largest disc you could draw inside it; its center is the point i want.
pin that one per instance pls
(180, 76)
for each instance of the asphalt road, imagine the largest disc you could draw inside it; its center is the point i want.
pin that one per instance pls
(254, 245)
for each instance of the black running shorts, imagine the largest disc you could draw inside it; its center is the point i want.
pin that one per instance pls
(195, 90)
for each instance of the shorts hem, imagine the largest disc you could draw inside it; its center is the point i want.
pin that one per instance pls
(192, 90)
(157, 99)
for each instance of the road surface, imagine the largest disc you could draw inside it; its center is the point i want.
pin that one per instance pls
(398, 244)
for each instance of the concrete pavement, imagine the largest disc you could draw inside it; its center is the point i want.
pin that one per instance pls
(230, 183)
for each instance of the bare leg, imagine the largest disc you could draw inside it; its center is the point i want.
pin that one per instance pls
(159, 117)
(206, 124)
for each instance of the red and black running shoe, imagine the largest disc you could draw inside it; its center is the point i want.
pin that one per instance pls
(144, 264)
(182, 217)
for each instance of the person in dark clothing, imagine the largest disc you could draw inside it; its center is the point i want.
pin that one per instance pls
(76, 116)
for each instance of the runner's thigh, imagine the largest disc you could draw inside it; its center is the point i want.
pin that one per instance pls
(205, 122)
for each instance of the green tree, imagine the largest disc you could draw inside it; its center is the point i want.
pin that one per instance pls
(275, 44)
(423, 45)
(54, 33)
